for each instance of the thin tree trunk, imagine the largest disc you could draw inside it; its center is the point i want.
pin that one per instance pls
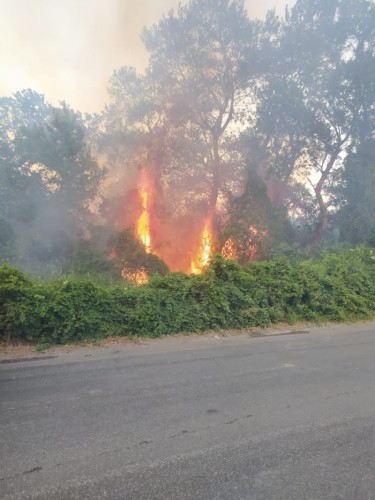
(324, 216)
(215, 187)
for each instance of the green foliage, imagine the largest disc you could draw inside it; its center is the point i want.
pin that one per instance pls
(357, 218)
(78, 309)
(89, 261)
(6, 233)
(7, 250)
(48, 177)
(130, 254)
(19, 300)
(42, 347)
(254, 209)
(335, 286)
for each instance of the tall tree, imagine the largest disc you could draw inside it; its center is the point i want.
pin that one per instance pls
(201, 57)
(192, 97)
(312, 109)
(48, 175)
(19, 184)
(357, 217)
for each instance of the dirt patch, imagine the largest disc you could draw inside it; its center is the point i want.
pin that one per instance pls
(21, 350)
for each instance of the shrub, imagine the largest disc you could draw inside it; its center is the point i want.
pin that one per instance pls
(336, 287)
(19, 300)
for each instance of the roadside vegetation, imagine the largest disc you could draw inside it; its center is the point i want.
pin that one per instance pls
(334, 286)
(245, 144)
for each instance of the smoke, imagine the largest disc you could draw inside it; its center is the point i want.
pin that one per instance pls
(68, 50)
(259, 9)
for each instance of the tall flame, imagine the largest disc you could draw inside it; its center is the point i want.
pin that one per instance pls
(204, 252)
(143, 226)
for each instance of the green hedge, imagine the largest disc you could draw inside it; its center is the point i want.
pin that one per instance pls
(334, 287)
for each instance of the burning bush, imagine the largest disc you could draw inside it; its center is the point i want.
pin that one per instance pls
(131, 258)
(253, 227)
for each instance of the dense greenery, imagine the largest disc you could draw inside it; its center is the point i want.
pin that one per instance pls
(335, 287)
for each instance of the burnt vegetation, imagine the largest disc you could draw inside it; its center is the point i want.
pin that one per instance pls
(234, 179)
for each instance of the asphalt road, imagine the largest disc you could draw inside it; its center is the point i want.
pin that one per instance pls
(281, 417)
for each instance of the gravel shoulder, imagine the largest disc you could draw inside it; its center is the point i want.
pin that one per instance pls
(12, 352)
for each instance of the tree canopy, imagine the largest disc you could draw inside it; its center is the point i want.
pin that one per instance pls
(265, 129)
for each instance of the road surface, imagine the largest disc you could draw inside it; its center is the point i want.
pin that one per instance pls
(287, 416)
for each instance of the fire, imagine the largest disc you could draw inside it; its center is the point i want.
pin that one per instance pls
(143, 226)
(253, 247)
(171, 234)
(139, 277)
(255, 235)
(229, 251)
(204, 252)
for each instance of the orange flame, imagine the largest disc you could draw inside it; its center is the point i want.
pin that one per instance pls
(139, 277)
(255, 235)
(229, 250)
(204, 252)
(143, 226)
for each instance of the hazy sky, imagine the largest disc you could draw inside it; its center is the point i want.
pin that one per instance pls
(68, 49)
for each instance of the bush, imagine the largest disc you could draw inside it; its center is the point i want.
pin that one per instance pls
(87, 261)
(19, 299)
(332, 287)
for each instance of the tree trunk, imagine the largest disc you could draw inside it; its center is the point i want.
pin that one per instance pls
(215, 187)
(324, 216)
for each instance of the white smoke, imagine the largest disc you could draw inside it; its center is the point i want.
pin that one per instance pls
(69, 49)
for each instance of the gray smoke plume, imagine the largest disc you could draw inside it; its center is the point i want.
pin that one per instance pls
(70, 49)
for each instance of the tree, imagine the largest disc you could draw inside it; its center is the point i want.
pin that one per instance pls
(129, 256)
(357, 218)
(48, 175)
(19, 185)
(184, 112)
(253, 226)
(201, 61)
(313, 108)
